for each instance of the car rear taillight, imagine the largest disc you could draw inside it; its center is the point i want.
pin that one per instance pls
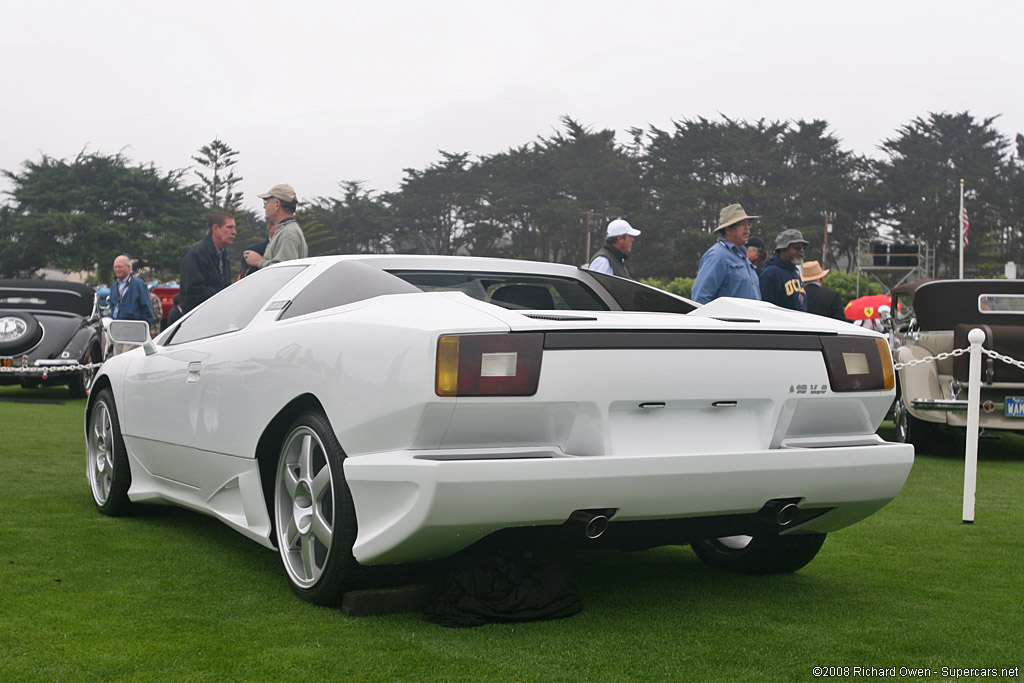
(858, 363)
(489, 364)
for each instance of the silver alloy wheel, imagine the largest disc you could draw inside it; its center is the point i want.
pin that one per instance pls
(101, 453)
(304, 506)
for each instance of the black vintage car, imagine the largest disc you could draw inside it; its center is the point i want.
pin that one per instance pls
(933, 317)
(48, 328)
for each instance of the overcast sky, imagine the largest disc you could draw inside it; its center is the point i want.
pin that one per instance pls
(314, 93)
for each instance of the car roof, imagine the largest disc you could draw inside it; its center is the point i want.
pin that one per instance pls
(455, 263)
(72, 297)
(944, 304)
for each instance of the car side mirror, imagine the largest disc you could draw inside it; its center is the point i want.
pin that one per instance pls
(132, 333)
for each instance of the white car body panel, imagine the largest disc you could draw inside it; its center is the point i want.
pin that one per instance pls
(430, 475)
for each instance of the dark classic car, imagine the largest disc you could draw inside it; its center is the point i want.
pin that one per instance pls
(47, 329)
(934, 318)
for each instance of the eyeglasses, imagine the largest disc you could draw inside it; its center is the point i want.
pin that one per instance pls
(798, 246)
(270, 199)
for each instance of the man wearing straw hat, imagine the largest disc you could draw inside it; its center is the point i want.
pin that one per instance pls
(725, 269)
(821, 300)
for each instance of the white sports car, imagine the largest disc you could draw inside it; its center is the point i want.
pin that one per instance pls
(364, 410)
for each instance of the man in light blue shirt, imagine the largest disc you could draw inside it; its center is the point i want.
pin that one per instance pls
(725, 269)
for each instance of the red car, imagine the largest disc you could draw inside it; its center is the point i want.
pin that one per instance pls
(166, 295)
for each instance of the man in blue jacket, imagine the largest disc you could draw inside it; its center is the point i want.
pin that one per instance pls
(781, 283)
(725, 269)
(129, 297)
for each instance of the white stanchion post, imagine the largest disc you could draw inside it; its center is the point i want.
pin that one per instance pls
(976, 337)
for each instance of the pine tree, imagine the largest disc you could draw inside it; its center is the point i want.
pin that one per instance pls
(217, 185)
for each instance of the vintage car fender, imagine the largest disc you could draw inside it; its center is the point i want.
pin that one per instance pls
(918, 381)
(78, 347)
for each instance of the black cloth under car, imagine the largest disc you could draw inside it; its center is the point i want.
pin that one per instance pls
(498, 587)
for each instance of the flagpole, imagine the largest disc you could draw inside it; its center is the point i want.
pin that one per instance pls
(960, 228)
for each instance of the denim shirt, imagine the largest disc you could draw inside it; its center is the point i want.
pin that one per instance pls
(725, 270)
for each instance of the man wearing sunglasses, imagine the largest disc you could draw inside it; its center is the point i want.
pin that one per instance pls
(287, 241)
(780, 280)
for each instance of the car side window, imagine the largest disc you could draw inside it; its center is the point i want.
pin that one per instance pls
(233, 308)
(633, 296)
(344, 283)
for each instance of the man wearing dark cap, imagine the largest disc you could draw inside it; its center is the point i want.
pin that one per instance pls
(757, 252)
(725, 269)
(288, 242)
(611, 258)
(780, 281)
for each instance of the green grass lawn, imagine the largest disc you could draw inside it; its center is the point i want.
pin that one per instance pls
(172, 595)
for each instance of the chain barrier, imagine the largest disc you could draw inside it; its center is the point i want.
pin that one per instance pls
(920, 361)
(1005, 359)
(49, 369)
(958, 352)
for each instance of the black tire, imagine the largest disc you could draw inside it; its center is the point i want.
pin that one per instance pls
(924, 436)
(108, 470)
(314, 519)
(26, 334)
(81, 381)
(765, 554)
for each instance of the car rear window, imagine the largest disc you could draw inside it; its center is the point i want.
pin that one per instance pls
(509, 290)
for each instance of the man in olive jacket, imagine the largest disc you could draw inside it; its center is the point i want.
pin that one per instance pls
(611, 258)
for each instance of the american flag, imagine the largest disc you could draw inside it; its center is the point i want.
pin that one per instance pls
(965, 225)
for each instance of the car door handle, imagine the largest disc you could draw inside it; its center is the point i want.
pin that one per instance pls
(193, 371)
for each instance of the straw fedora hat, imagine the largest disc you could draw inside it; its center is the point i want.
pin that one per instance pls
(812, 271)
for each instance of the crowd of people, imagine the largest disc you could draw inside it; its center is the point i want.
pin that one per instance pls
(206, 268)
(738, 265)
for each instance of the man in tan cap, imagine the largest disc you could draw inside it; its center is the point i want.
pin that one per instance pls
(821, 300)
(725, 269)
(288, 242)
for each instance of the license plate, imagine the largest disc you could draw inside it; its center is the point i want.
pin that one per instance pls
(1014, 406)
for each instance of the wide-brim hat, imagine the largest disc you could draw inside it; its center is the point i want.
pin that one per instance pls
(731, 215)
(788, 237)
(283, 192)
(812, 271)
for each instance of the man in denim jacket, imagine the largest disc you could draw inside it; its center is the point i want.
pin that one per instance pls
(725, 269)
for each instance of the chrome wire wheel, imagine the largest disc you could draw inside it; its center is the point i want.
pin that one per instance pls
(101, 453)
(304, 507)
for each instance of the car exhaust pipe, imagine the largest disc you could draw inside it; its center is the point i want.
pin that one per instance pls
(786, 514)
(780, 512)
(593, 523)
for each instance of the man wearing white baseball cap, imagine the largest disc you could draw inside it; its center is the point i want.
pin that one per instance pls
(611, 258)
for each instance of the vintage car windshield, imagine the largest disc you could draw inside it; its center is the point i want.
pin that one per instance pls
(233, 308)
(509, 290)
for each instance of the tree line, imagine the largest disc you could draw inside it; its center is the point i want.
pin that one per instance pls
(544, 199)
